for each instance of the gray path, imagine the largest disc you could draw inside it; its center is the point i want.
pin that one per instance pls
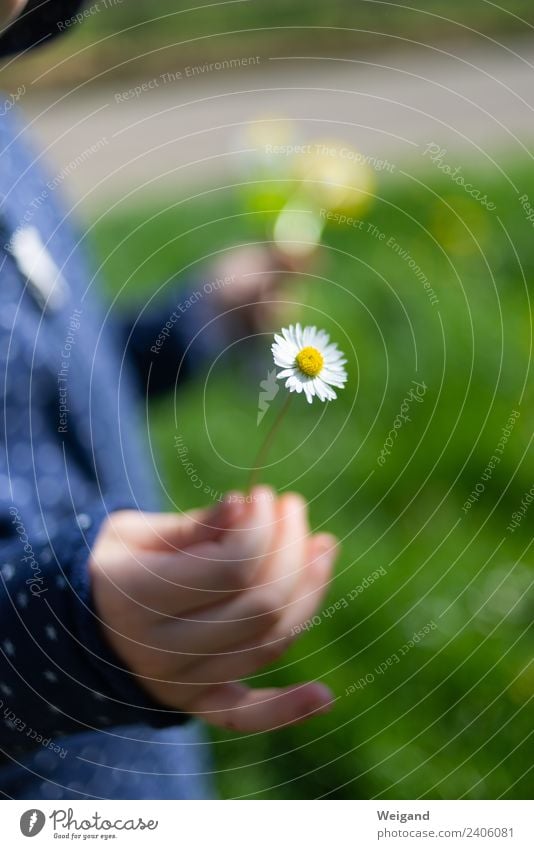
(188, 131)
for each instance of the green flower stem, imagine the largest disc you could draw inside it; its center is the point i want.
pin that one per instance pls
(261, 456)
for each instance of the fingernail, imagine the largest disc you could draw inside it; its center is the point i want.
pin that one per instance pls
(324, 698)
(294, 502)
(232, 508)
(328, 546)
(262, 493)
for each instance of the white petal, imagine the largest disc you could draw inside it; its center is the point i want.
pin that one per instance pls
(320, 389)
(336, 371)
(290, 335)
(283, 362)
(287, 333)
(309, 390)
(333, 380)
(284, 347)
(308, 335)
(321, 339)
(283, 355)
(324, 391)
(287, 372)
(294, 384)
(335, 368)
(334, 358)
(298, 336)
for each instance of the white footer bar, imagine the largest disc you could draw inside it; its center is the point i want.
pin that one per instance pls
(269, 824)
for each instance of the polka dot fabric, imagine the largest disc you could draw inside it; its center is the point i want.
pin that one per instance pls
(61, 688)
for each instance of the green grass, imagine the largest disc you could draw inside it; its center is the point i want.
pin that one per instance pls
(451, 718)
(150, 22)
(141, 39)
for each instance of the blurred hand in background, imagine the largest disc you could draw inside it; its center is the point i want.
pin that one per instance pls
(266, 288)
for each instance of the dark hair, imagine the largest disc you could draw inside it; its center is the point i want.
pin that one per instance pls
(40, 21)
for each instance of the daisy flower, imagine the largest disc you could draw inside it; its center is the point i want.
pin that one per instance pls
(309, 362)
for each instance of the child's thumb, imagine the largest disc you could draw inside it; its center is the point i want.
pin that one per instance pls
(177, 531)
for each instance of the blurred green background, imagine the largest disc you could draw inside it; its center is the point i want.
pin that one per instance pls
(452, 718)
(151, 24)
(133, 38)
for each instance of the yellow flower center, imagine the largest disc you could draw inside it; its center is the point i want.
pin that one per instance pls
(310, 361)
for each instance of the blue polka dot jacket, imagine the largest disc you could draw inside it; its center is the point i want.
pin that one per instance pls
(71, 450)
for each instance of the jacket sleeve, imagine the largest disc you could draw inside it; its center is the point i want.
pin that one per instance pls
(57, 674)
(172, 340)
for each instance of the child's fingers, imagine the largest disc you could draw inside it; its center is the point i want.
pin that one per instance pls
(251, 535)
(176, 531)
(179, 681)
(240, 708)
(283, 567)
(239, 618)
(212, 630)
(248, 656)
(305, 603)
(236, 605)
(170, 584)
(248, 614)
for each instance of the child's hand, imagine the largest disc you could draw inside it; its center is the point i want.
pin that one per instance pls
(263, 287)
(193, 603)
